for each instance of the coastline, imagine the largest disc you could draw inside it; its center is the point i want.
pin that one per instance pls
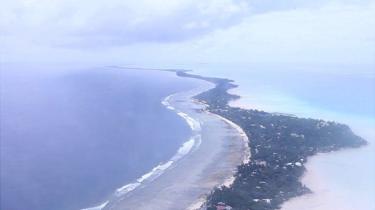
(215, 170)
(219, 99)
(324, 171)
(339, 180)
(186, 147)
(218, 106)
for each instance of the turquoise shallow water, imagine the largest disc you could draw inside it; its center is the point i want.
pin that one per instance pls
(341, 180)
(345, 90)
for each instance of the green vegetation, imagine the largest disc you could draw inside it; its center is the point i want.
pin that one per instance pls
(280, 145)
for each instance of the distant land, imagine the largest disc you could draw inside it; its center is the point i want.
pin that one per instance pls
(280, 146)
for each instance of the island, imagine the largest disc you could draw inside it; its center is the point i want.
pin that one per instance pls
(280, 145)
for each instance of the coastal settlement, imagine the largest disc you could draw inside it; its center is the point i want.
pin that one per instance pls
(280, 145)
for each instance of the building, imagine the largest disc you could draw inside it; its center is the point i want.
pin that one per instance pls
(222, 206)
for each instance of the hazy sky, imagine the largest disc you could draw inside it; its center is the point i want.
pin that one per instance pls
(184, 31)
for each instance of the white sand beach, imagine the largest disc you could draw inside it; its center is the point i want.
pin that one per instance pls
(210, 163)
(339, 180)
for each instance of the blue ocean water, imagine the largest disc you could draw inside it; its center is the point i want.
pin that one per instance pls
(70, 137)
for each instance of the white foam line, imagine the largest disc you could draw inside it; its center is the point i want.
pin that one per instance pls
(184, 149)
(154, 173)
(170, 107)
(100, 207)
(193, 143)
(230, 180)
(165, 101)
(160, 169)
(198, 204)
(246, 158)
(193, 124)
(245, 139)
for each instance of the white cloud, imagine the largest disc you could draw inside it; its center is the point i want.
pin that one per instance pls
(333, 33)
(115, 22)
(185, 31)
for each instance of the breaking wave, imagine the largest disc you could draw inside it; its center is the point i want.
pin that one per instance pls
(193, 143)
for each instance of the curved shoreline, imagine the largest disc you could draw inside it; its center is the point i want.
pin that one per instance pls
(186, 147)
(280, 147)
(329, 192)
(199, 204)
(210, 164)
(215, 104)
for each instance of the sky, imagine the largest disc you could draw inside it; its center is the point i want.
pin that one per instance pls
(188, 31)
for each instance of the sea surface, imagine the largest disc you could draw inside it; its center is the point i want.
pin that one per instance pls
(71, 136)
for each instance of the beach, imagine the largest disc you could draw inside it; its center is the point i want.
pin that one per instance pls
(217, 148)
(338, 180)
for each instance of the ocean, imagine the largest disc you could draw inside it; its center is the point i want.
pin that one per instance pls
(71, 136)
(68, 140)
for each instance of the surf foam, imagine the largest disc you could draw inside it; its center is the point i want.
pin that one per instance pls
(184, 149)
(193, 143)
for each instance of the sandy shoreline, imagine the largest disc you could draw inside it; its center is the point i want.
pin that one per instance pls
(186, 183)
(335, 184)
(332, 176)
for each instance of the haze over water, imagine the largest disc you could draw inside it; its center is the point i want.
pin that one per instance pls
(71, 137)
(309, 58)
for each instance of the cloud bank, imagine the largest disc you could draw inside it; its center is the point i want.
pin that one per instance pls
(340, 31)
(116, 22)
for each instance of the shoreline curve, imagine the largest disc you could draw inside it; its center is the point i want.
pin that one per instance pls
(227, 155)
